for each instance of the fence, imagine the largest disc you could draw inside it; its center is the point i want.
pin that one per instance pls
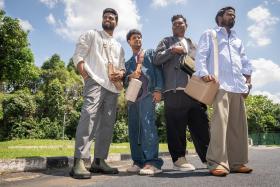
(269, 138)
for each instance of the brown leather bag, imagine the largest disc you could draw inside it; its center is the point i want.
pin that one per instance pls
(200, 90)
(112, 70)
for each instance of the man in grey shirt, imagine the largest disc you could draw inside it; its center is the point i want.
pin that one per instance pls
(180, 109)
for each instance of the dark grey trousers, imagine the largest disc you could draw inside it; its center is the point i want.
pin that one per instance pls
(97, 120)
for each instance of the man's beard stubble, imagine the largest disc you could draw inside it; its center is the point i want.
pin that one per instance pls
(228, 24)
(109, 27)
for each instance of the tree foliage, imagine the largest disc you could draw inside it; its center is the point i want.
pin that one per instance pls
(16, 58)
(263, 115)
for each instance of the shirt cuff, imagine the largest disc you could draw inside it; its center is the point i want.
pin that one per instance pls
(78, 59)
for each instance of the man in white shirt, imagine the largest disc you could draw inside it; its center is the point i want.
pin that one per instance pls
(95, 52)
(228, 148)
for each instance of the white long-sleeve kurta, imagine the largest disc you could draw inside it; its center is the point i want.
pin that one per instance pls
(90, 49)
(232, 63)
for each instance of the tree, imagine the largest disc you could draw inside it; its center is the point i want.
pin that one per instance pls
(263, 114)
(53, 63)
(60, 95)
(71, 66)
(16, 59)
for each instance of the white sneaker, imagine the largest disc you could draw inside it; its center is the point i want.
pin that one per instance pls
(182, 165)
(149, 170)
(133, 169)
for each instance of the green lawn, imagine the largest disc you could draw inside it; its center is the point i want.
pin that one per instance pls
(33, 148)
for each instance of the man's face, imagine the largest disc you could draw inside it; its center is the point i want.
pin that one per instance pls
(135, 41)
(109, 21)
(179, 27)
(228, 19)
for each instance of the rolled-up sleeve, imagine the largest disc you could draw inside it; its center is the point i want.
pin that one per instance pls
(202, 55)
(82, 47)
(246, 63)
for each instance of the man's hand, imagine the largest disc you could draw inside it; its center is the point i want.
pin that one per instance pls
(135, 75)
(209, 78)
(117, 75)
(156, 96)
(248, 78)
(82, 70)
(177, 50)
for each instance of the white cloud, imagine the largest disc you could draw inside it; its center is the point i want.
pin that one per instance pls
(263, 24)
(164, 3)
(87, 14)
(1, 4)
(274, 97)
(265, 72)
(51, 20)
(25, 25)
(49, 3)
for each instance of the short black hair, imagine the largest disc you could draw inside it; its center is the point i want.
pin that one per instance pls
(110, 10)
(222, 11)
(131, 32)
(175, 17)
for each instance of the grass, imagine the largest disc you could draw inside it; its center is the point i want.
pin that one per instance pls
(46, 148)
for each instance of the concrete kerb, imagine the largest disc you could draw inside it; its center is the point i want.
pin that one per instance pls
(43, 163)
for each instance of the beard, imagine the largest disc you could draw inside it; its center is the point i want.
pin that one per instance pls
(108, 27)
(229, 23)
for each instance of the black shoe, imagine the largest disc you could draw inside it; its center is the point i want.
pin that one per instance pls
(100, 166)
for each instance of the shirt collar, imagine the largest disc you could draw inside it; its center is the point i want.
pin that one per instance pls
(106, 35)
(224, 31)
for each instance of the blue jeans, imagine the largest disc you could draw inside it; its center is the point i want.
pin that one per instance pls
(143, 135)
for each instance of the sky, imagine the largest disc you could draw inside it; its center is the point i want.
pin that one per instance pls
(55, 25)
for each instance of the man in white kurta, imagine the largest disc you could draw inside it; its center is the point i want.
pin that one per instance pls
(94, 51)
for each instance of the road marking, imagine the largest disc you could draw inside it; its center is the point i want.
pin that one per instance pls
(21, 178)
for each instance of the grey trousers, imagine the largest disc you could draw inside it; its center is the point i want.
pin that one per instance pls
(97, 120)
(228, 146)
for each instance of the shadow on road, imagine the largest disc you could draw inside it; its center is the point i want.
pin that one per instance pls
(167, 173)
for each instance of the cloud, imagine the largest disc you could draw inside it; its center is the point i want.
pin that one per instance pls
(25, 25)
(164, 3)
(265, 72)
(51, 20)
(50, 3)
(1, 4)
(81, 16)
(263, 24)
(274, 97)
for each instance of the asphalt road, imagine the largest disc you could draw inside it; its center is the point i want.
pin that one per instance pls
(264, 160)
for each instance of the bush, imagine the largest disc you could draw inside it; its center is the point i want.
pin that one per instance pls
(120, 131)
(160, 122)
(51, 129)
(18, 115)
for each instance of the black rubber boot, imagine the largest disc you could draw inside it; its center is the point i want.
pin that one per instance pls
(99, 166)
